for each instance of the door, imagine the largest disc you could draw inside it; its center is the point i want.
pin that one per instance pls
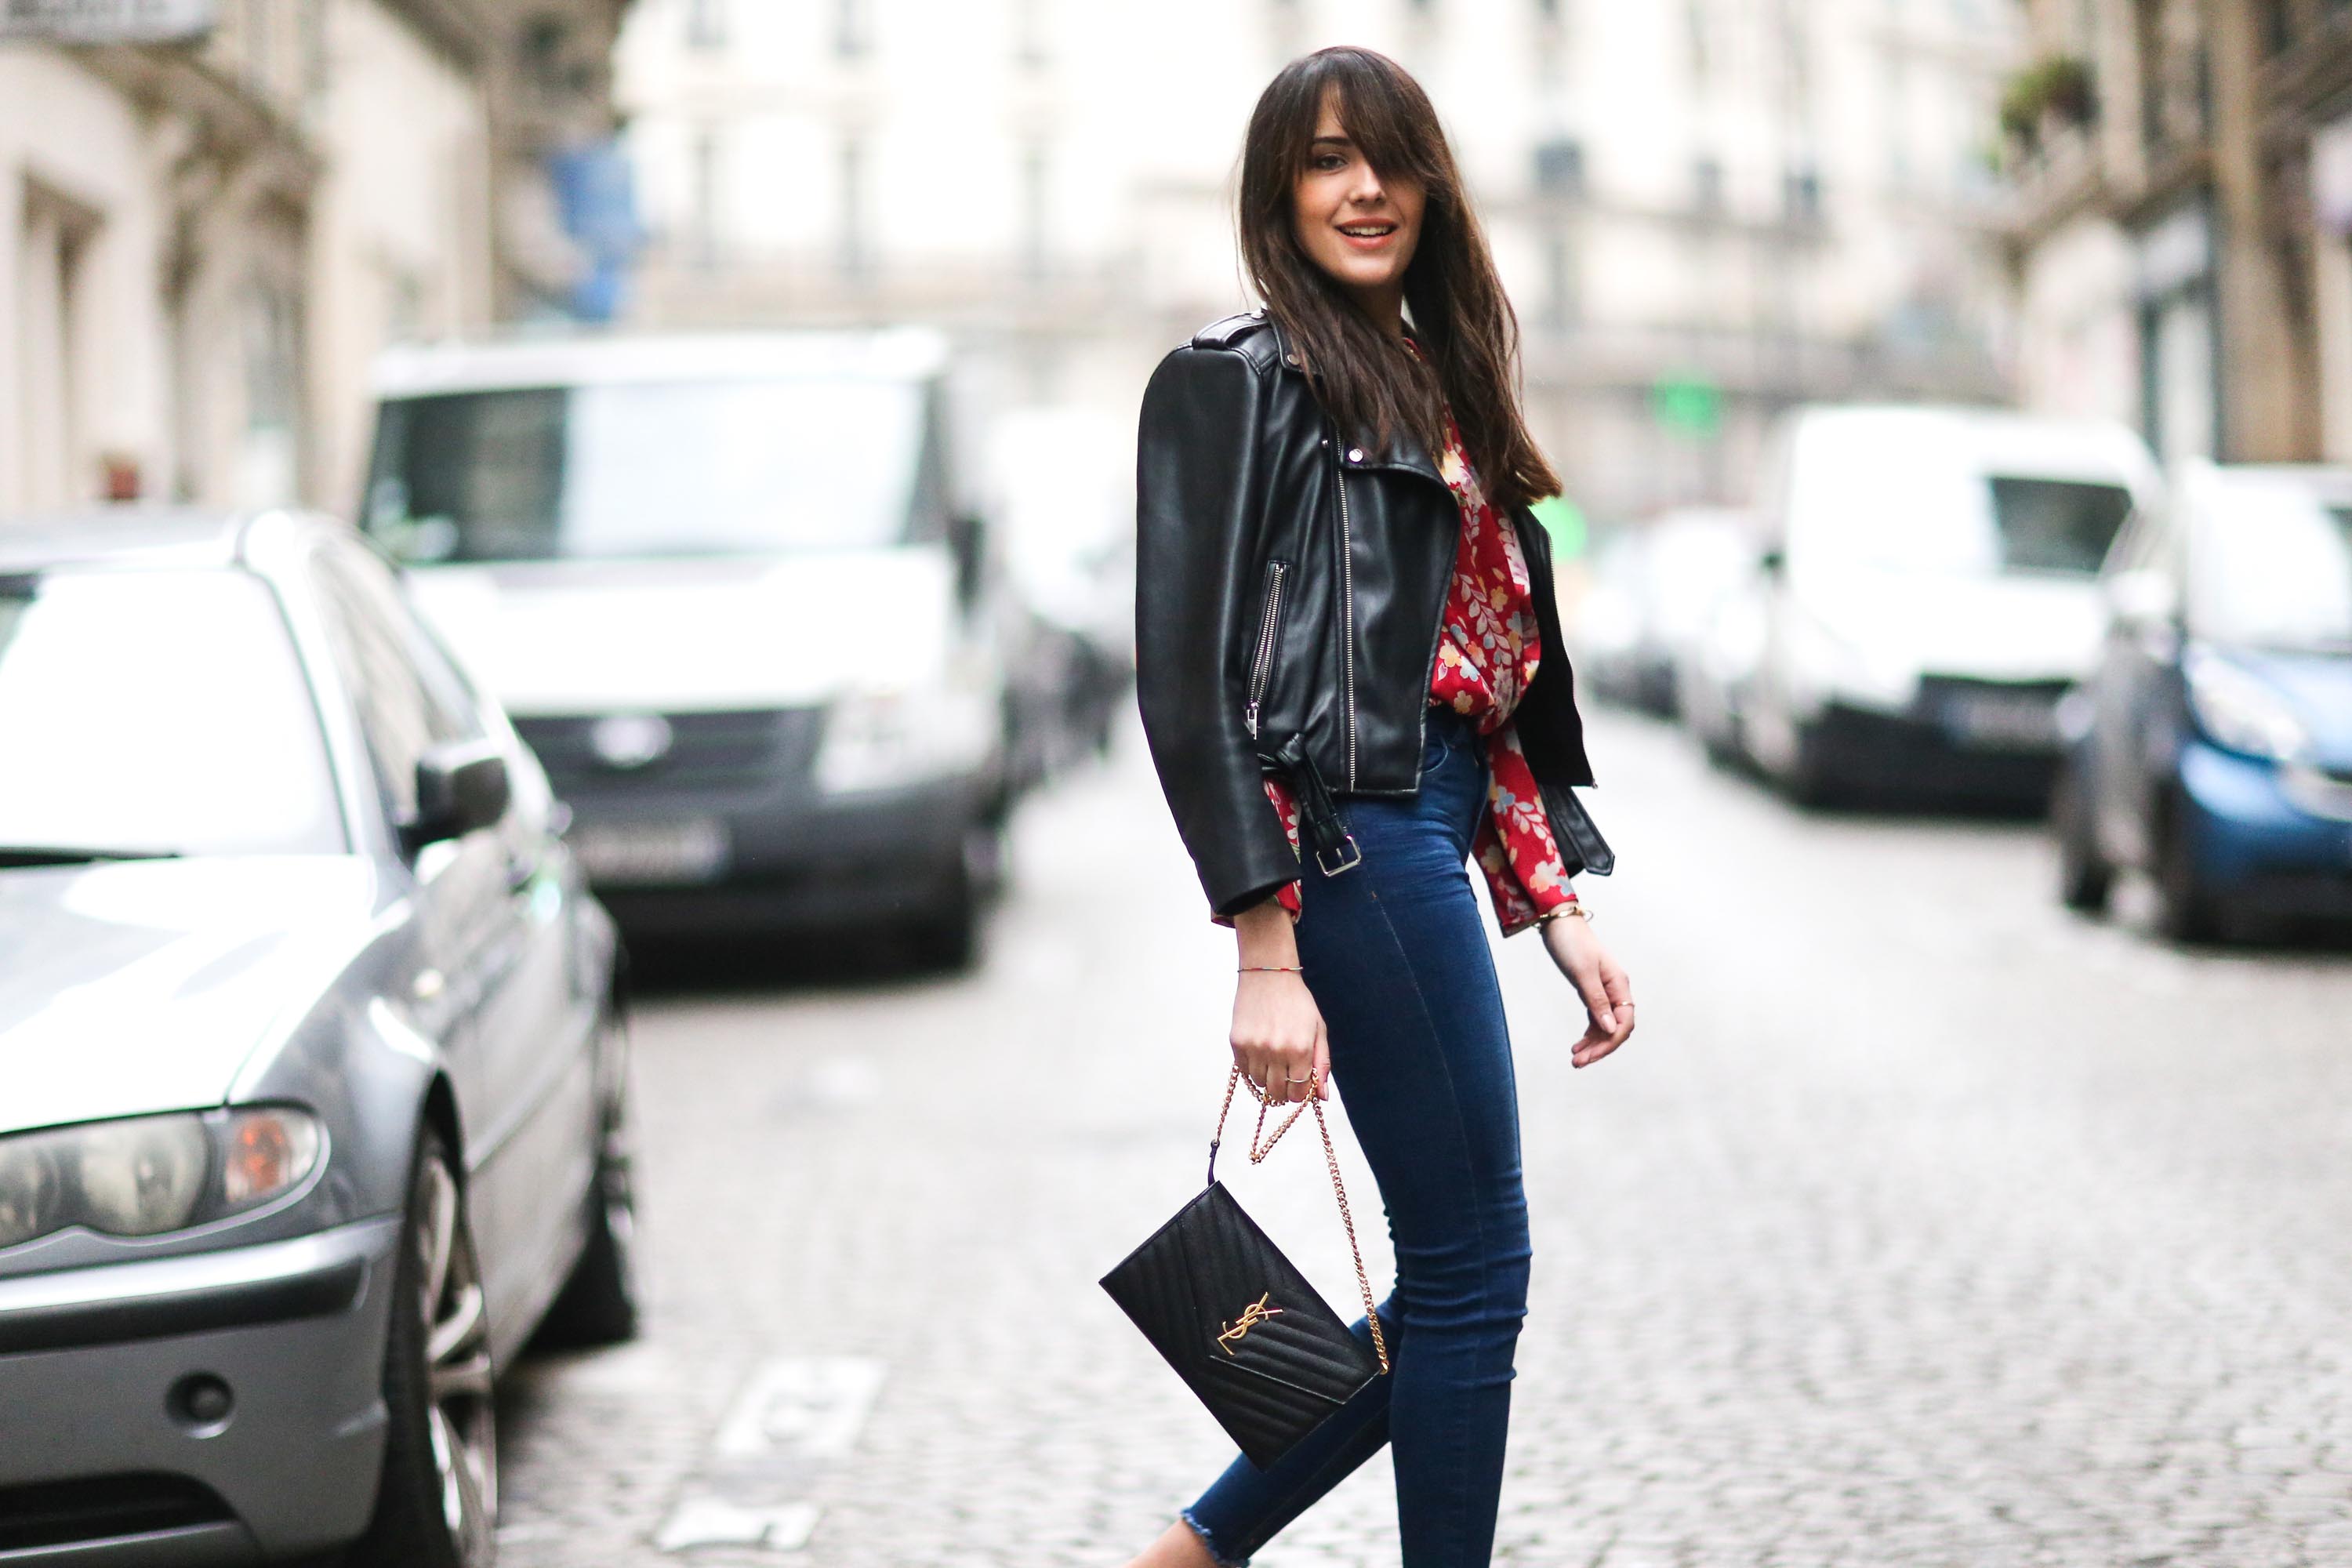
(492, 907)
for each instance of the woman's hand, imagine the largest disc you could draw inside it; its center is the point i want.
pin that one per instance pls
(1599, 981)
(1278, 1036)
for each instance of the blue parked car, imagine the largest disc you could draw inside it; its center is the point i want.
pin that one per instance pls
(2213, 748)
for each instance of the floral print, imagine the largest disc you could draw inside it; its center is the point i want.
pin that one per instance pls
(1488, 652)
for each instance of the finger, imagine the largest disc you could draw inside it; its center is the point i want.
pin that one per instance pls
(1596, 1000)
(1593, 1047)
(1618, 984)
(1252, 1060)
(1322, 1063)
(1298, 1076)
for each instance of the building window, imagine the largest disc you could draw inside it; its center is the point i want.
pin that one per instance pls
(1562, 301)
(543, 47)
(1035, 214)
(856, 260)
(1029, 32)
(1802, 195)
(706, 24)
(268, 459)
(1706, 184)
(1559, 166)
(704, 178)
(2278, 26)
(852, 28)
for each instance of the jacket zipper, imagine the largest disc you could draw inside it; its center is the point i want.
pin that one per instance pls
(1348, 608)
(1269, 629)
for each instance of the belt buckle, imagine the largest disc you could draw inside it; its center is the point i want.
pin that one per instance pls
(1353, 857)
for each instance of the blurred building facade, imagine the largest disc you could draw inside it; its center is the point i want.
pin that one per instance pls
(206, 230)
(2185, 240)
(1704, 209)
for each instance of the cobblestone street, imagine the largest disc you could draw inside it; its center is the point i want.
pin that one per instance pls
(1921, 1224)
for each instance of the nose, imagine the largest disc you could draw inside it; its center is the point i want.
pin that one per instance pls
(1366, 190)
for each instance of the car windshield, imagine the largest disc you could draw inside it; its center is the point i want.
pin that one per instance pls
(1908, 505)
(643, 468)
(2275, 569)
(168, 713)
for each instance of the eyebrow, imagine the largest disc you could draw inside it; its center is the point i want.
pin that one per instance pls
(1336, 141)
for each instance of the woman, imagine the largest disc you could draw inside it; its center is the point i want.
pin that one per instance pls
(1350, 674)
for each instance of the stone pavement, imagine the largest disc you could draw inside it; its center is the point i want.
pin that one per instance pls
(1921, 1224)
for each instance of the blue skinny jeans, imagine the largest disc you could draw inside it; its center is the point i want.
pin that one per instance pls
(1396, 955)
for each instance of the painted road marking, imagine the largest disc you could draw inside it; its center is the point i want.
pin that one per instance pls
(814, 1408)
(714, 1522)
(794, 1414)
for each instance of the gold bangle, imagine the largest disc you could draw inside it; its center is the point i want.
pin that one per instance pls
(1562, 912)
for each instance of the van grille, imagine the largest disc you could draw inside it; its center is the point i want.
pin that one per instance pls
(733, 752)
(66, 1513)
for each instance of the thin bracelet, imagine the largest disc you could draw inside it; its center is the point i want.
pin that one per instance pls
(1562, 912)
(1270, 969)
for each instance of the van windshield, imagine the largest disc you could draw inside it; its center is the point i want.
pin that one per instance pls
(1902, 505)
(2275, 568)
(644, 468)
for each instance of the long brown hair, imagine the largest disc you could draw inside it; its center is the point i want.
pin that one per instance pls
(1464, 326)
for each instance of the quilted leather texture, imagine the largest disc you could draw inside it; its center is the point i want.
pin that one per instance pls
(1196, 1277)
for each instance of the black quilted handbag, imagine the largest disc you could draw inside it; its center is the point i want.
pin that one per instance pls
(1239, 1323)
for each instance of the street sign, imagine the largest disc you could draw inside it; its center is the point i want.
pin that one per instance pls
(1687, 405)
(107, 21)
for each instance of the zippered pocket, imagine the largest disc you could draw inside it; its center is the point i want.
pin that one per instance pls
(1269, 634)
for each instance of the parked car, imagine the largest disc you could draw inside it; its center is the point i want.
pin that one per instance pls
(1653, 589)
(2213, 749)
(315, 1102)
(1928, 596)
(724, 586)
(1063, 482)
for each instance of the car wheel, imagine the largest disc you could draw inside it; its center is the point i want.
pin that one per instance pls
(437, 1505)
(2084, 877)
(2185, 911)
(950, 941)
(1809, 781)
(598, 1305)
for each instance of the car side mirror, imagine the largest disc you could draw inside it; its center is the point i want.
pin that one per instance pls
(2141, 596)
(460, 785)
(967, 543)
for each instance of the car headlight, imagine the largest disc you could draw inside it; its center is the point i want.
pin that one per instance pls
(1825, 665)
(2240, 711)
(144, 1176)
(886, 740)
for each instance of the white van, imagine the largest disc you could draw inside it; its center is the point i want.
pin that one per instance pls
(1929, 594)
(723, 587)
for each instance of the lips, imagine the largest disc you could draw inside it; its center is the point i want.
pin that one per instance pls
(1366, 236)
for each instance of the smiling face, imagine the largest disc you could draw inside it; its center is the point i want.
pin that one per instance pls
(1353, 223)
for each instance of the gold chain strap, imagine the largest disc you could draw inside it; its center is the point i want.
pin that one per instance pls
(1261, 1146)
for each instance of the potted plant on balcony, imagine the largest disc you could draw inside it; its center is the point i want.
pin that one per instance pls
(2056, 91)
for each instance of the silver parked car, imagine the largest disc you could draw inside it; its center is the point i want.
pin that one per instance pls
(310, 1057)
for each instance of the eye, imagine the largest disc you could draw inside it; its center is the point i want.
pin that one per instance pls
(1328, 162)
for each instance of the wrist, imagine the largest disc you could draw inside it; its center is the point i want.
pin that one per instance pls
(1264, 935)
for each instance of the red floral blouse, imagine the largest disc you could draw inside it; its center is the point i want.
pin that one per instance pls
(1486, 654)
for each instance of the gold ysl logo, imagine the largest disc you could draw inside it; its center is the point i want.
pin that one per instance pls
(1254, 1314)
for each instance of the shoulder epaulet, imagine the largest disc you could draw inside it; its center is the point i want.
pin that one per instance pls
(1229, 330)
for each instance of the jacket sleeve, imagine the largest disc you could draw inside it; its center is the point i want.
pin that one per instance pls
(1198, 491)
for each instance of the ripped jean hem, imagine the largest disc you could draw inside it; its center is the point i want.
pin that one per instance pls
(1209, 1544)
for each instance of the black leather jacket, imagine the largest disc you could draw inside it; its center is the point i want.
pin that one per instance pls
(1290, 588)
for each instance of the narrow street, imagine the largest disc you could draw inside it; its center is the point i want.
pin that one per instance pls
(1921, 1224)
